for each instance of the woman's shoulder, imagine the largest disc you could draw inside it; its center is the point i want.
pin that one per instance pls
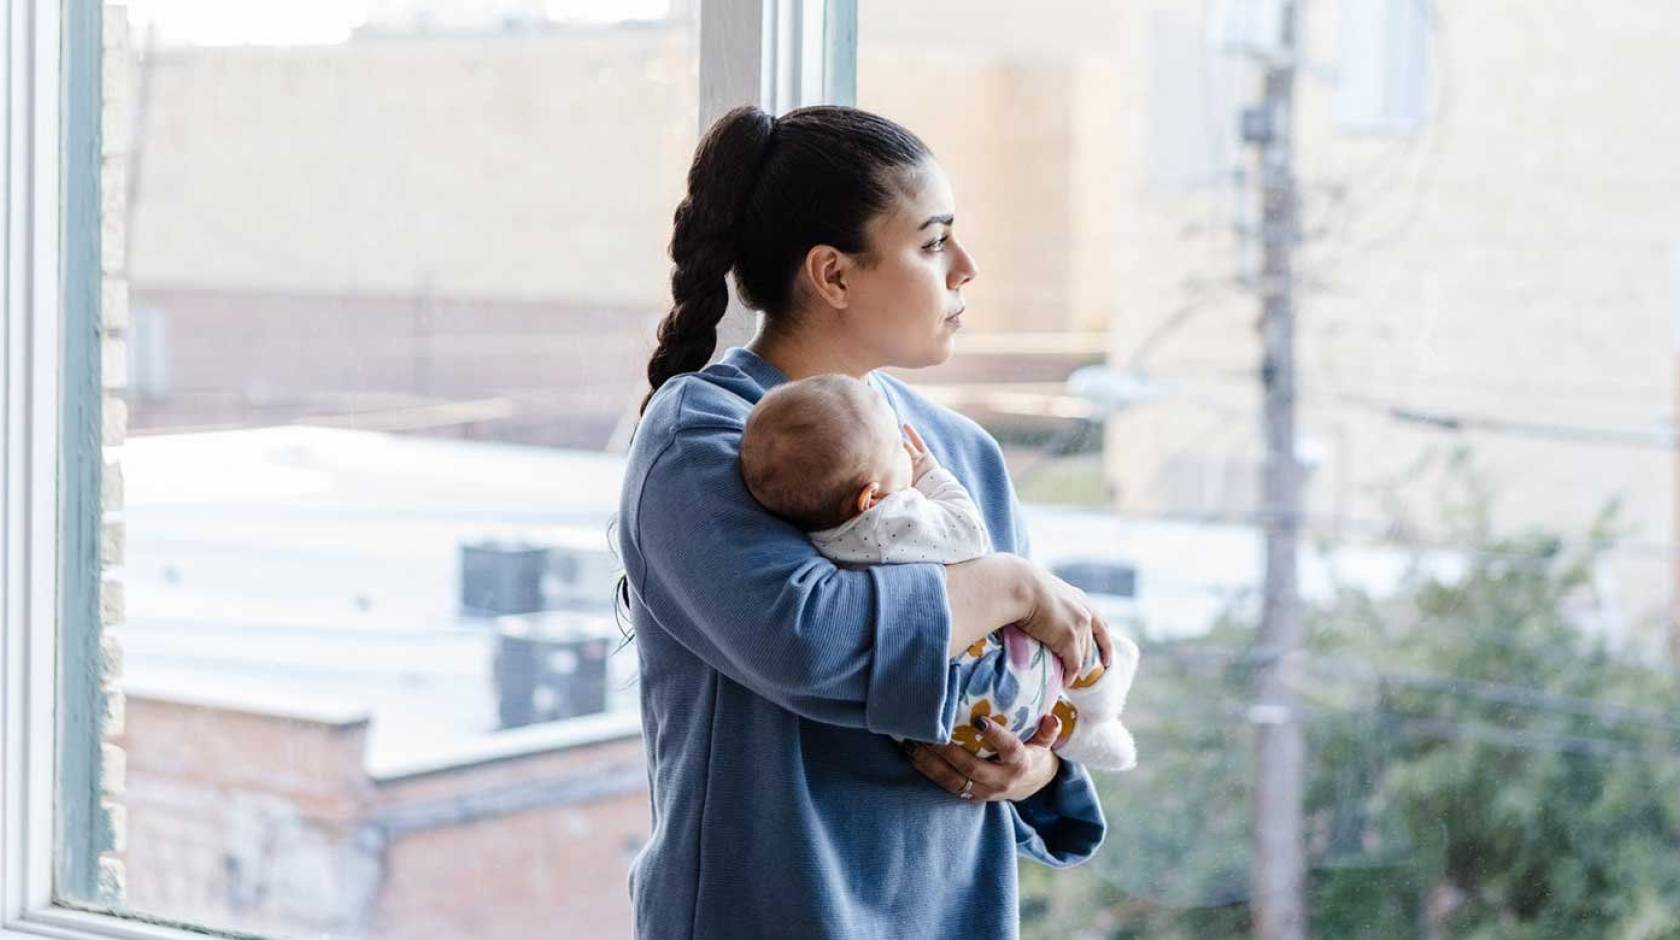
(696, 413)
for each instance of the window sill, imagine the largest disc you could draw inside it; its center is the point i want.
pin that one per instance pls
(63, 923)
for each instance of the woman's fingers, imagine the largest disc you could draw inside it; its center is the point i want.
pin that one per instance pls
(933, 763)
(1003, 739)
(1093, 633)
(1099, 633)
(1061, 620)
(1068, 653)
(989, 776)
(1081, 646)
(951, 766)
(1048, 728)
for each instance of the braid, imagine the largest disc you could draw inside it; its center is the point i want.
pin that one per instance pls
(703, 241)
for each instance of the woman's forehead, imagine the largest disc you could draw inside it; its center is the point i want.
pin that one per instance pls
(924, 200)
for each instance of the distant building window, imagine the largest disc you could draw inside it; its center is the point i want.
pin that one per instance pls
(1383, 84)
(1674, 290)
(149, 353)
(1193, 96)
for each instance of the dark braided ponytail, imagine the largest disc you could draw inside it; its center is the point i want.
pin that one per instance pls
(703, 240)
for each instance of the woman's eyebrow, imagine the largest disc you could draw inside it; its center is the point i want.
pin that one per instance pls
(942, 219)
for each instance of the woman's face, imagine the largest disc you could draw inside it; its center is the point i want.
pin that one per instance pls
(905, 308)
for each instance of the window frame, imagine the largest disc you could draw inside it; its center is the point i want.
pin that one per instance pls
(780, 54)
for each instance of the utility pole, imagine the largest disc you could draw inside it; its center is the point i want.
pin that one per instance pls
(1674, 437)
(1279, 873)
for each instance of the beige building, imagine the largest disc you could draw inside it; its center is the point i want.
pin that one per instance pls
(465, 234)
(1490, 232)
(447, 233)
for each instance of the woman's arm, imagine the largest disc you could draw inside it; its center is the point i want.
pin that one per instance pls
(986, 593)
(749, 595)
(991, 591)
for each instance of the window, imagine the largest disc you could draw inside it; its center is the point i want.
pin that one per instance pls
(333, 591)
(1482, 368)
(305, 545)
(1383, 77)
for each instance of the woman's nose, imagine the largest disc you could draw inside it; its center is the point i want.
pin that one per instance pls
(964, 270)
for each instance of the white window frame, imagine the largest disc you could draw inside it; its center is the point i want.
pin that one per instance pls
(780, 54)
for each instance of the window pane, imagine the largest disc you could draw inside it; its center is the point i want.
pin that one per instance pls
(1484, 307)
(393, 270)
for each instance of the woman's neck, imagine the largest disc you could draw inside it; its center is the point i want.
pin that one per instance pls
(797, 357)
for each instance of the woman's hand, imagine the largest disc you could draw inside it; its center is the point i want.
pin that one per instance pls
(1017, 772)
(1062, 618)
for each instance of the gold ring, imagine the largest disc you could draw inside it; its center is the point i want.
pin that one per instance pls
(968, 784)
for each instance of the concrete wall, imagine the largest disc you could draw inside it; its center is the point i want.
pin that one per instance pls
(500, 167)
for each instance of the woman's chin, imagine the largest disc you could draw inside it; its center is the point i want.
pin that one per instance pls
(936, 352)
(942, 349)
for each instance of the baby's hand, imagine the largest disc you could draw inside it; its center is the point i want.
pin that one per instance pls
(921, 459)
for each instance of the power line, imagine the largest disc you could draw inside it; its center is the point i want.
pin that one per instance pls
(1577, 434)
(1349, 668)
(1214, 370)
(1454, 421)
(1386, 533)
(1500, 693)
(1528, 740)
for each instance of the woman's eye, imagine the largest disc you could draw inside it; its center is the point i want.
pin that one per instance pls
(936, 245)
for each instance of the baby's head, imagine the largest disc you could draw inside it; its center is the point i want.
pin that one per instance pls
(820, 450)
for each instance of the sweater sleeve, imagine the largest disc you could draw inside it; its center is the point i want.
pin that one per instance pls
(1062, 824)
(747, 593)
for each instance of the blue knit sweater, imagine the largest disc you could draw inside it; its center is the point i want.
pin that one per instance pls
(770, 679)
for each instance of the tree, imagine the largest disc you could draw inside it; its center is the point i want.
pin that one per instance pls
(1481, 764)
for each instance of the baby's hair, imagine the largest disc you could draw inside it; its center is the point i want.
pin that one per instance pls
(801, 455)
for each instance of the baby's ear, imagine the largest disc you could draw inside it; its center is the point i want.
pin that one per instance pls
(868, 496)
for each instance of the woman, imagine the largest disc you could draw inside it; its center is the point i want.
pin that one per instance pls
(771, 679)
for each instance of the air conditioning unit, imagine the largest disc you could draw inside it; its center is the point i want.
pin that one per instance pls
(546, 674)
(579, 578)
(1108, 577)
(499, 578)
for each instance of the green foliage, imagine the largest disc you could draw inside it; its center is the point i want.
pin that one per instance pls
(1480, 765)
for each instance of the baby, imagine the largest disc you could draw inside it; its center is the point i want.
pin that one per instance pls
(826, 454)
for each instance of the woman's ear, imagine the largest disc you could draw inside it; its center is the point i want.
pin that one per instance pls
(825, 271)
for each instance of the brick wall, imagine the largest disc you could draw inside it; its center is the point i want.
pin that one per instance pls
(115, 138)
(270, 823)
